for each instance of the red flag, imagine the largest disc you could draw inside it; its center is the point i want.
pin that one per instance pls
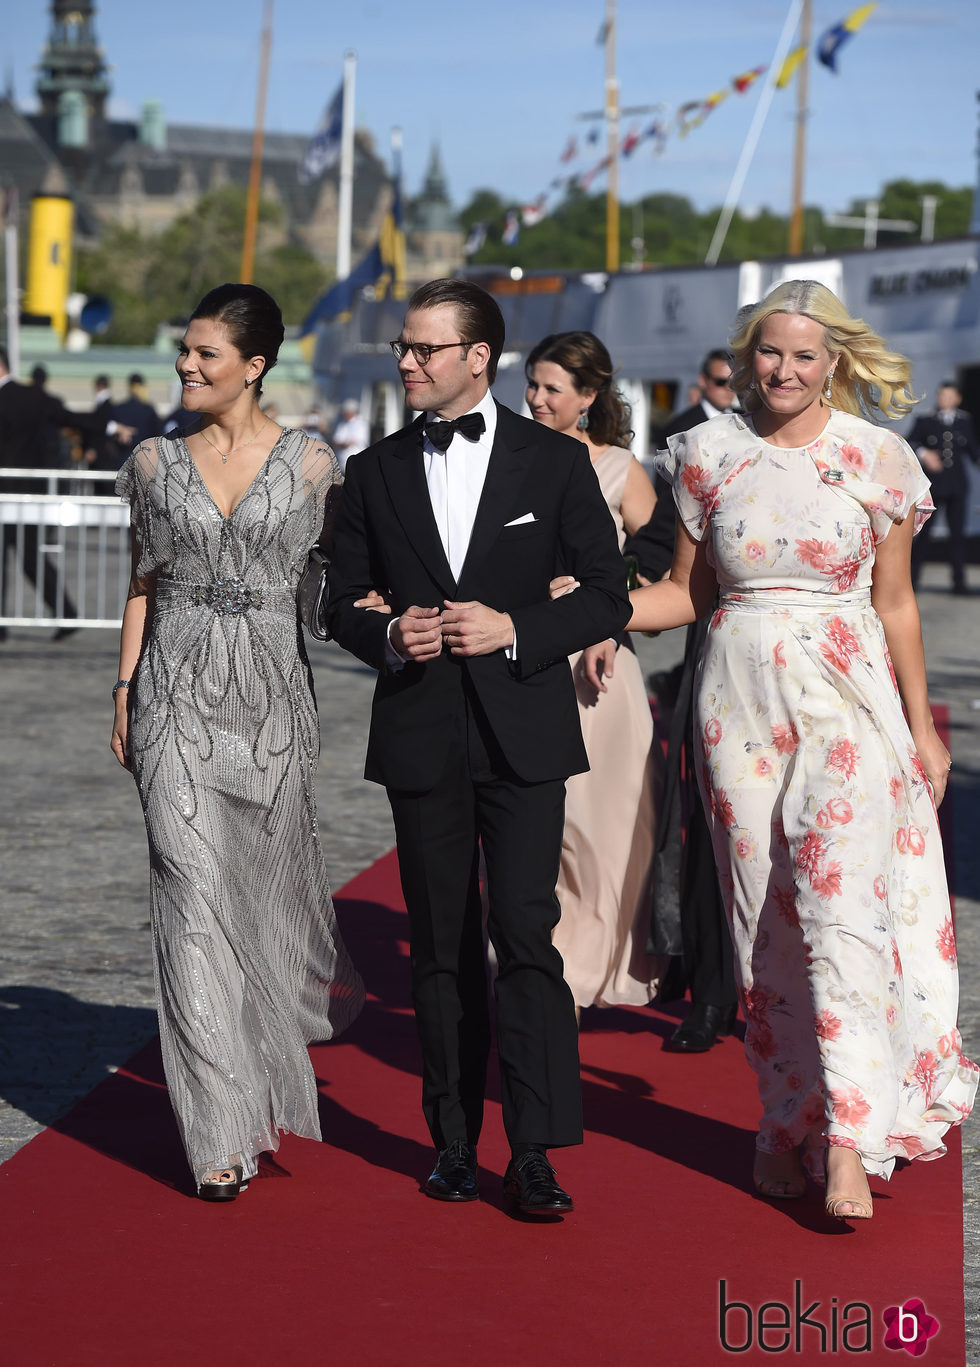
(747, 78)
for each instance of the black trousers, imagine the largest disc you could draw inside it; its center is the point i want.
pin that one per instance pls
(479, 800)
(50, 577)
(688, 911)
(953, 504)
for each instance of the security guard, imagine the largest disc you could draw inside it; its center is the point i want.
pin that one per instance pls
(944, 441)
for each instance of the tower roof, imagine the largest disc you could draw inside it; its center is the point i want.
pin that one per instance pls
(72, 58)
(432, 211)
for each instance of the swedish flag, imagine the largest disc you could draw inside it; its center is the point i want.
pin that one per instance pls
(383, 267)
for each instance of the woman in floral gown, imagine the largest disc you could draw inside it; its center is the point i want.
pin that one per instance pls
(799, 513)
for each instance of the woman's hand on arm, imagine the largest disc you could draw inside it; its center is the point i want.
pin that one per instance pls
(374, 602)
(893, 598)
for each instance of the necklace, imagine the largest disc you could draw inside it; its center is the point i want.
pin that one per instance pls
(240, 447)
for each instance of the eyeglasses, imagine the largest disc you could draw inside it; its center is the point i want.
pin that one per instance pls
(421, 350)
(722, 381)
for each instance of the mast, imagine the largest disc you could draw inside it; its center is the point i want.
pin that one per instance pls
(258, 138)
(612, 138)
(799, 142)
(345, 199)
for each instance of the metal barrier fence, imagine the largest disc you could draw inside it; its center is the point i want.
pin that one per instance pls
(65, 558)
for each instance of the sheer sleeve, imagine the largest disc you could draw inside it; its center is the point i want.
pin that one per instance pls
(133, 486)
(323, 482)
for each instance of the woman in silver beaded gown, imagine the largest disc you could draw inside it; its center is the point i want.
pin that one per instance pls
(216, 717)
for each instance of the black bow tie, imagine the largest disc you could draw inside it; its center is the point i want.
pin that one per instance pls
(470, 425)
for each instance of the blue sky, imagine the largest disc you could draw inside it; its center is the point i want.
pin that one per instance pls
(499, 84)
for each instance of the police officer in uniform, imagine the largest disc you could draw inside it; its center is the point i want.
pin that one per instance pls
(944, 441)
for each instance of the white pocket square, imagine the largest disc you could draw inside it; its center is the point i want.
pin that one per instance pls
(518, 521)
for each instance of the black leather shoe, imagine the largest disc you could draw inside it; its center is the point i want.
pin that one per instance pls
(701, 1029)
(454, 1176)
(530, 1182)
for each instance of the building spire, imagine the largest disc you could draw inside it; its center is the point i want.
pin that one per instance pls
(72, 63)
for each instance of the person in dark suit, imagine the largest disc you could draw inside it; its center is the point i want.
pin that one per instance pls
(28, 415)
(461, 520)
(101, 454)
(944, 441)
(688, 917)
(138, 415)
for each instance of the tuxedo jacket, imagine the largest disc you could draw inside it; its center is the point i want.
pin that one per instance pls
(386, 538)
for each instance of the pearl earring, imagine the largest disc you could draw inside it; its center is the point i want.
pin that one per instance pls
(830, 376)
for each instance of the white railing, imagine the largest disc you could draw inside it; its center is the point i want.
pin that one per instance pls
(66, 553)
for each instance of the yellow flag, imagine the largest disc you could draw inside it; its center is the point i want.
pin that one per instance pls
(860, 16)
(788, 69)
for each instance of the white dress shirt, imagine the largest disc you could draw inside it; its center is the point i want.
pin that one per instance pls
(455, 479)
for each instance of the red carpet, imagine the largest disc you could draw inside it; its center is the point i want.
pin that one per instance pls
(334, 1256)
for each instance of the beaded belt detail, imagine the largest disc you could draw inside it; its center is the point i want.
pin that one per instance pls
(226, 596)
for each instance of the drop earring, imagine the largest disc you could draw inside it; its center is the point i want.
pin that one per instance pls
(583, 420)
(830, 376)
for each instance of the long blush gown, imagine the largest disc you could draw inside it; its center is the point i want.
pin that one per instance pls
(604, 886)
(250, 966)
(822, 819)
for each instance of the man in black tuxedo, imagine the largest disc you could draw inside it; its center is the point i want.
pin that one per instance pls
(688, 912)
(462, 519)
(944, 441)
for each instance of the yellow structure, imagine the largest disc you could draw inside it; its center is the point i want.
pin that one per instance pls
(49, 258)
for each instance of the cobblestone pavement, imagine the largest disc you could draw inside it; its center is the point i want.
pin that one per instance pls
(76, 986)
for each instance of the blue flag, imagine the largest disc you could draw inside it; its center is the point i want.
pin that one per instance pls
(383, 267)
(324, 149)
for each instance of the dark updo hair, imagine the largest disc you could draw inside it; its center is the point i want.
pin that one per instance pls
(590, 366)
(252, 318)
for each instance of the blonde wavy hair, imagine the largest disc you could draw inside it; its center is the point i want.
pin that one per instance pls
(868, 380)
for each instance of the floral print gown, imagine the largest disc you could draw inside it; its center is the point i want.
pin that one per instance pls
(822, 819)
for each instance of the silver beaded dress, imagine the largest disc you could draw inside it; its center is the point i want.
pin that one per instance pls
(250, 966)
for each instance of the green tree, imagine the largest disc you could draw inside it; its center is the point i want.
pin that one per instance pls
(155, 279)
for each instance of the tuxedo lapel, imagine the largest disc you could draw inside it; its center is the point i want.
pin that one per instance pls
(504, 474)
(404, 475)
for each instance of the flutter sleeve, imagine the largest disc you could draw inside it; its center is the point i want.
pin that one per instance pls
(133, 485)
(878, 469)
(322, 481)
(693, 477)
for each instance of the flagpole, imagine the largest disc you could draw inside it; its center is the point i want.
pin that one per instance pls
(753, 135)
(612, 132)
(11, 268)
(258, 137)
(345, 203)
(799, 142)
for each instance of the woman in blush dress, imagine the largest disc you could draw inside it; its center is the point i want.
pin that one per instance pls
(820, 796)
(214, 713)
(610, 812)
